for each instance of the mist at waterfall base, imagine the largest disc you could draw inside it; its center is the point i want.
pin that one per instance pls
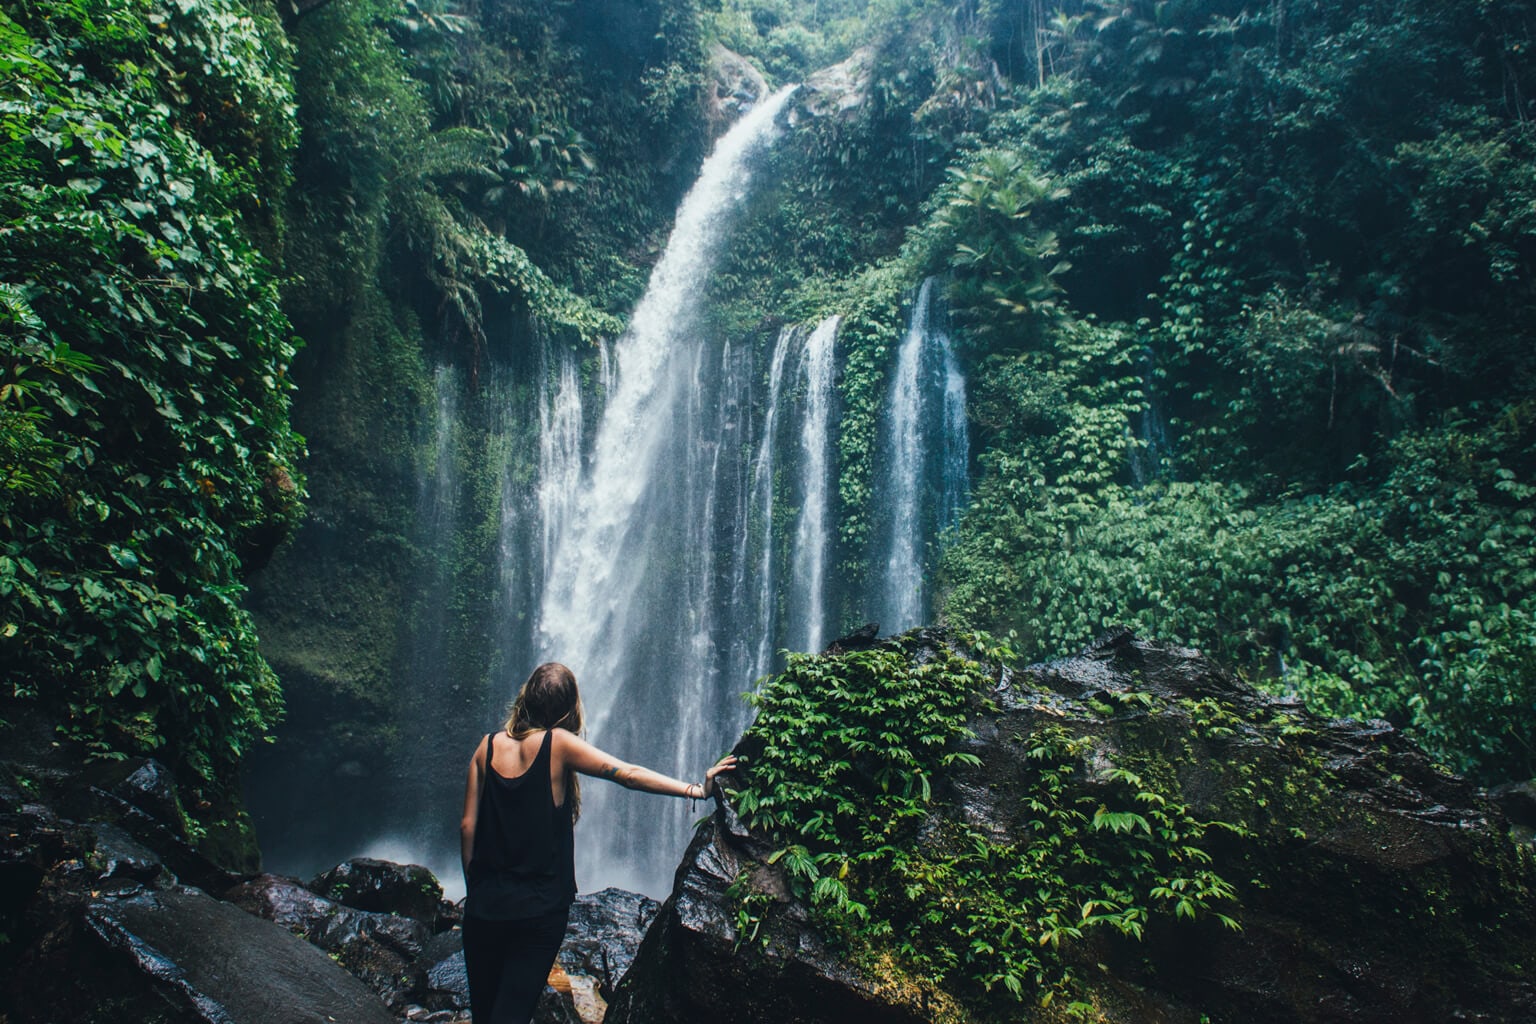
(677, 534)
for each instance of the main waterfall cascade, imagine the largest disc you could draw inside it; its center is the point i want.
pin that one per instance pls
(697, 540)
(637, 600)
(667, 526)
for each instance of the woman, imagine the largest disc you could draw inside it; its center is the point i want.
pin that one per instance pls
(520, 804)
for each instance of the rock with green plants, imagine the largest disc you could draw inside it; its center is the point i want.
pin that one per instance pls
(922, 833)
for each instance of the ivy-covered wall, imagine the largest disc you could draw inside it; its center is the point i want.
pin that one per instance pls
(144, 392)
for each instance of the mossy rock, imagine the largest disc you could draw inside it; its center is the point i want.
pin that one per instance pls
(1135, 835)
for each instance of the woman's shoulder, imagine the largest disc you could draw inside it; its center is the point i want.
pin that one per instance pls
(563, 741)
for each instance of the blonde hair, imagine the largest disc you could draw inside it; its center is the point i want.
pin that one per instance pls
(550, 700)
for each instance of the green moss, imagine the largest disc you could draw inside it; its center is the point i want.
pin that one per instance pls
(851, 763)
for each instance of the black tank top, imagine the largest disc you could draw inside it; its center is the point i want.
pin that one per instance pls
(523, 863)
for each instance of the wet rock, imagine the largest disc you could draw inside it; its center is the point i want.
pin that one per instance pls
(1374, 886)
(152, 789)
(116, 854)
(1518, 802)
(837, 91)
(860, 639)
(382, 886)
(178, 955)
(388, 953)
(736, 86)
(447, 982)
(604, 932)
(690, 967)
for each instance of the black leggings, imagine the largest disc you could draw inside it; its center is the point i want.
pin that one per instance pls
(507, 963)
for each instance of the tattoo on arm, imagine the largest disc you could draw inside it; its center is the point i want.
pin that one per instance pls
(609, 771)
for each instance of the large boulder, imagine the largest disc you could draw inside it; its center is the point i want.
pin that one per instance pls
(390, 953)
(111, 913)
(840, 91)
(1368, 884)
(735, 87)
(178, 955)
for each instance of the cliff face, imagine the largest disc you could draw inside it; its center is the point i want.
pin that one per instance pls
(1361, 881)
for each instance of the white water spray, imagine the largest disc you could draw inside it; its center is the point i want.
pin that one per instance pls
(808, 598)
(631, 599)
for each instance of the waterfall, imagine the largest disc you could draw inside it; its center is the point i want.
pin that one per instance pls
(753, 584)
(559, 450)
(807, 599)
(634, 594)
(955, 463)
(921, 483)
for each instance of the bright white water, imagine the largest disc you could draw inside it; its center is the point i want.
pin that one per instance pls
(668, 525)
(559, 450)
(807, 600)
(920, 483)
(632, 601)
(754, 583)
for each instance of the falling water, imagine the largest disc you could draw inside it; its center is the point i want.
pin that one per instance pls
(633, 594)
(921, 483)
(807, 599)
(559, 450)
(955, 464)
(753, 585)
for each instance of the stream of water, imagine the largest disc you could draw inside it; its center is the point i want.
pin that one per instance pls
(671, 532)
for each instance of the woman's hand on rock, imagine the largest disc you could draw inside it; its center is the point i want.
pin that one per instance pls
(725, 764)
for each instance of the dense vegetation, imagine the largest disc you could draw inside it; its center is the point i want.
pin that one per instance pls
(850, 767)
(1243, 293)
(1244, 298)
(1275, 398)
(143, 404)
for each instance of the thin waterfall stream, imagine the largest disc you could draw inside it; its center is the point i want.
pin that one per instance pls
(921, 484)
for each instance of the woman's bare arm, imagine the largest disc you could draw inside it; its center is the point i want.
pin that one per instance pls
(579, 755)
(471, 808)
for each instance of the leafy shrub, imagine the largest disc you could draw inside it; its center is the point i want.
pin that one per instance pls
(144, 357)
(850, 764)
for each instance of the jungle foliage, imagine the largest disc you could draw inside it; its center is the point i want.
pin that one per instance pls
(850, 768)
(1243, 291)
(1273, 399)
(1244, 297)
(143, 358)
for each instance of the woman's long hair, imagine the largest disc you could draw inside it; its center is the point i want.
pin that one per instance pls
(550, 700)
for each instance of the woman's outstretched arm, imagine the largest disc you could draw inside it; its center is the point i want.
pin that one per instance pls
(579, 755)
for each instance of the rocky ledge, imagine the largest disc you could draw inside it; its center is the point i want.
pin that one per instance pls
(108, 913)
(1367, 883)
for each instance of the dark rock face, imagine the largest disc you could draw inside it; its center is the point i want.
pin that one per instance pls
(388, 953)
(111, 915)
(689, 968)
(103, 925)
(604, 933)
(1373, 885)
(191, 958)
